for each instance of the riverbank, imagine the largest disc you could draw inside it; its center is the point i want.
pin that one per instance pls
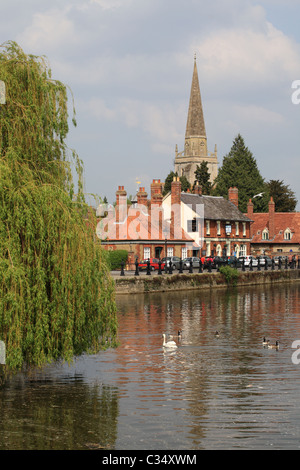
(131, 284)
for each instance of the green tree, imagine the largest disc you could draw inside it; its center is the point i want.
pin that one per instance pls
(185, 185)
(203, 177)
(56, 294)
(284, 198)
(239, 169)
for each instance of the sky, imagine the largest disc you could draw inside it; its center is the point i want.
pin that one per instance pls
(129, 65)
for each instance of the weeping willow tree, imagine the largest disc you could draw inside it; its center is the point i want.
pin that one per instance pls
(56, 295)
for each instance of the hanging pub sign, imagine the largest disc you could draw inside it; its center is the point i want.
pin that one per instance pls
(2, 92)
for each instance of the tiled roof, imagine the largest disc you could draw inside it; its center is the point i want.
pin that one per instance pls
(215, 208)
(282, 221)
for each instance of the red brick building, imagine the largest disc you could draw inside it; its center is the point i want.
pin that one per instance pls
(140, 227)
(274, 233)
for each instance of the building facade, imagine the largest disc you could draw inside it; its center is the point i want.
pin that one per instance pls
(216, 225)
(274, 233)
(141, 228)
(195, 147)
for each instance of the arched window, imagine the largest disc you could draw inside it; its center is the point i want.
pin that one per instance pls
(265, 234)
(287, 234)
(219, 250)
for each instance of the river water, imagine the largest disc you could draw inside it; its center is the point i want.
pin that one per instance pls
(210, 393)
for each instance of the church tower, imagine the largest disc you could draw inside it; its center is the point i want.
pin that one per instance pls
(195, 148)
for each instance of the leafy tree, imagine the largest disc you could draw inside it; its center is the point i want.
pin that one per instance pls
(284, 198)
(239, 168)
(185, 185)
(203, 177)
(56, 295)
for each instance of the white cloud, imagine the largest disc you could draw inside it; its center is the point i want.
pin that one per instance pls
(248, 55)
(49, 31)
(258, 115)
(111, 4)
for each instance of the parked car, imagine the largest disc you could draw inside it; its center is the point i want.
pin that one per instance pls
(234, 262)
(174, 260)
(247, 260)
(186, 262)
(264, 259)
(219, 261)
(154, 264)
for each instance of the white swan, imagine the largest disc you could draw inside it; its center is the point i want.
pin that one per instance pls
(169, 344)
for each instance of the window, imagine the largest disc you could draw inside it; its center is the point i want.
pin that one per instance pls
(146, 252)
(265, 234)
(208, 227)
(237, 228)
(208, 250)
(218, 227)
(244, 229)
(170, 251)
(243, 250)
(287, 234)
(184, 252)
(192, 225)
(219, 250)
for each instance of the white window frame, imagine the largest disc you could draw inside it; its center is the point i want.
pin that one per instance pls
(287, 234)
(218, 227)
(265, 234)
(244, 229)
(237, 228)
(243, 250)
(170, 251)
(184, 252)
(147, 252)
(208, 227)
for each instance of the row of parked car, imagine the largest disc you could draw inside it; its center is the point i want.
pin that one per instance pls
(212, 261)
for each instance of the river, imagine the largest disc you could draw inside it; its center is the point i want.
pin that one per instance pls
(226, 392)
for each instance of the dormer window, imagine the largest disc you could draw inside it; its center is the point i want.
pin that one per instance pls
(265, 234)
(287, 234)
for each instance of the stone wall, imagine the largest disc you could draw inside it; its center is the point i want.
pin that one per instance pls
(166, 282)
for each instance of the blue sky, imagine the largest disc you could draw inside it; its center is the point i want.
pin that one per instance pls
(129, 64)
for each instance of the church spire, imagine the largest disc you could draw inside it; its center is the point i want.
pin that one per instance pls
(195, 122)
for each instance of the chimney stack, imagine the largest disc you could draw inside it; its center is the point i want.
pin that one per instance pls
(271, 218)
(198, 189)
(233, 196)
(142, 197)
(156, 192)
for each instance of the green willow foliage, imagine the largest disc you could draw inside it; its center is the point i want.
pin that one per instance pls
(56, 295)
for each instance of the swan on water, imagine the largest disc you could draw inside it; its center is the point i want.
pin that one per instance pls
(169, 344)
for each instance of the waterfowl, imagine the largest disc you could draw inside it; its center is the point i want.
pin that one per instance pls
(169, 344)
(179, 333)
(274, 346)
(265, 341)
(217, 334)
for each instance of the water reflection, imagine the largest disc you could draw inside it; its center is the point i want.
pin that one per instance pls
(210, 393)
(42, 412)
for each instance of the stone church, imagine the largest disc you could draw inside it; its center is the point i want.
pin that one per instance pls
(195, 147)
